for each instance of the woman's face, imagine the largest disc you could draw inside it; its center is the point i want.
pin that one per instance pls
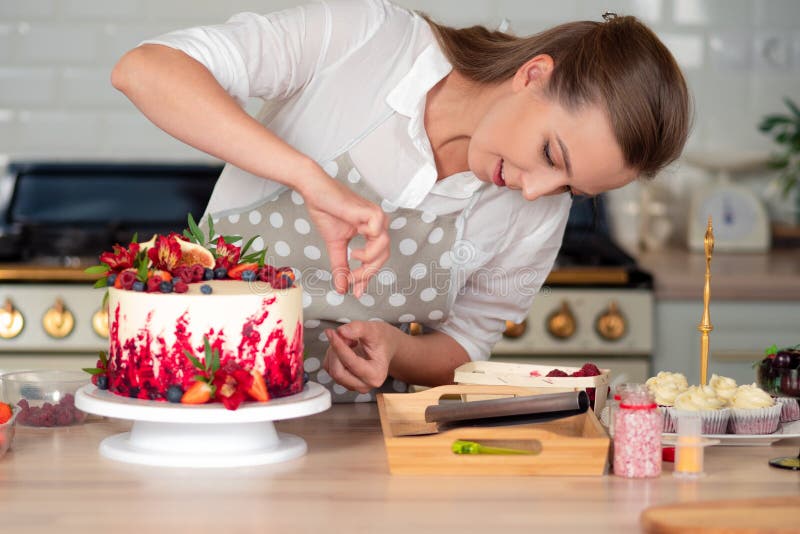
(531, 143)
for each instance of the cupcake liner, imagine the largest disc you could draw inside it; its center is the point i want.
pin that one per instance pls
(669, 421)
(755, 420)
(713, 421)
(790, 409)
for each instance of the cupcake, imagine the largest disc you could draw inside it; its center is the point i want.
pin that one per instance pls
(724, 387)
(703, 401)
(790, 409)
(753, 411)
(665, 388)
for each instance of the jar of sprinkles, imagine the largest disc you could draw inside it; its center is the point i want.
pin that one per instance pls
(637, 434)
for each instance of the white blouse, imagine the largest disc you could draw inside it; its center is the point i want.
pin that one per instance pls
(354, 75)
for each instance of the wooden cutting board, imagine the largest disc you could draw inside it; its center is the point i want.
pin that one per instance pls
(774, 515)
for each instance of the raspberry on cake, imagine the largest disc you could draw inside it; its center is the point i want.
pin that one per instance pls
(193, 309)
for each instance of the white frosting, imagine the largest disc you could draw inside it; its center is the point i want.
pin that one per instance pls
(724, 387)
(231, 305)
(751, 397)
(666, 386)
(699, 398)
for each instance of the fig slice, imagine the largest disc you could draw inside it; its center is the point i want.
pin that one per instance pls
(191, 253)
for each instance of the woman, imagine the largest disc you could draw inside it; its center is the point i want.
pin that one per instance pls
(454, 153)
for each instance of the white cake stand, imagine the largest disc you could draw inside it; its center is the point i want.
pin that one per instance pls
(208, 435)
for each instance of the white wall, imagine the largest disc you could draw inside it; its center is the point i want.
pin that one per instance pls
(740, 56)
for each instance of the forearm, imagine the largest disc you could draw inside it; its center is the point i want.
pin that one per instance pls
(180, 96)
(426, 360)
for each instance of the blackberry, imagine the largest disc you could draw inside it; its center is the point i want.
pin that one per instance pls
(208, 274)
(174, 393)
(102, 382)
(220, 273)
(206, 289)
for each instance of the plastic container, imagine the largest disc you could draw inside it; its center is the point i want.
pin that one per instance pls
(7, 432)
(689, 448)
(45, 398)
(637, 434)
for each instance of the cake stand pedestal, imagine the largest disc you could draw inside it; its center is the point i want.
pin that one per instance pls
(208, 435)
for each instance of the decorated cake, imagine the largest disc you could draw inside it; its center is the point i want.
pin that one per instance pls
(196, 319)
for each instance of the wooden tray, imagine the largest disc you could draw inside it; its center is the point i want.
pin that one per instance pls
(574, 446)
(533, 378)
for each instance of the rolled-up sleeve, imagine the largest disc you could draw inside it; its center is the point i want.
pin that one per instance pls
(503, 289)
(275, 55)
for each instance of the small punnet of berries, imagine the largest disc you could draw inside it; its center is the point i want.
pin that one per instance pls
(588, 369)
(62, 413)
(168, 264)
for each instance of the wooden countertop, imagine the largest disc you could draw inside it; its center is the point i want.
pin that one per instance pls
(679, 274)
(54, 480)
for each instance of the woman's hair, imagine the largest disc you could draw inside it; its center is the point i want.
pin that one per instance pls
(620, 64)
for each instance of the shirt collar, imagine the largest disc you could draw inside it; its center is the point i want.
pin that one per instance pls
(408, 99)
(408, 96)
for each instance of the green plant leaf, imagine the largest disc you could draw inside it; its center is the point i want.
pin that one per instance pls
(101, 282)
(231, 239)
(105, 300)
(188, 235)
(770, 121)
(772, 349)
(792, 106)
(94, 370)
(103, 357)
(97, 269)
(194, 360)
(210, 228)
(135, 237)
(247, 245)
(198, 234)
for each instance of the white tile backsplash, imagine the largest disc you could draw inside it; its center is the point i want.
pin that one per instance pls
(57, 43)
(100, 9)
(51, 133)
(740, 58)
(27, 9)
(25, 86)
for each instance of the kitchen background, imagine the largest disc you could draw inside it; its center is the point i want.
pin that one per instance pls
(741, 58)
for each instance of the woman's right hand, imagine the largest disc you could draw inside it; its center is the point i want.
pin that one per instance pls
(339, 215)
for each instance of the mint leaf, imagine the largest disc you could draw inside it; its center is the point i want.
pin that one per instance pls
(97, 269)
(771, 350)
(94, 370)
(101, 282)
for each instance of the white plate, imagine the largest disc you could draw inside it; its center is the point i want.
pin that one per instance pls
(785, 431)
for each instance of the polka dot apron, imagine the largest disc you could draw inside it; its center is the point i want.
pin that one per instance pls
(413, 285)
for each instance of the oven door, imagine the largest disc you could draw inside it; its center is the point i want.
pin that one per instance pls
(610, 327)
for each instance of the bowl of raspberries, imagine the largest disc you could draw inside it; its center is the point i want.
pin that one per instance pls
(44, 398)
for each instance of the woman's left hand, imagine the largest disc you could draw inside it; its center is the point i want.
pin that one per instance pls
(359, 354)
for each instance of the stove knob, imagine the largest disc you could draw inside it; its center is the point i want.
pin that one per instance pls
(561, 323)
(11, 321)
(514, 330)
(100, 322)
(611, 323)
(58, 321)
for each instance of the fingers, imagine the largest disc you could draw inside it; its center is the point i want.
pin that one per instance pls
(367, 372)
(340, 271)
(335, 365)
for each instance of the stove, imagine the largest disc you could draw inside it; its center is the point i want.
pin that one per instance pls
(57, 217)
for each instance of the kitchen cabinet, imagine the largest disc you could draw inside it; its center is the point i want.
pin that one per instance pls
(742, 330)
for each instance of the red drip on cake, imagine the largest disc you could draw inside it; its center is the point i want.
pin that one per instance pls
(131, 370)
